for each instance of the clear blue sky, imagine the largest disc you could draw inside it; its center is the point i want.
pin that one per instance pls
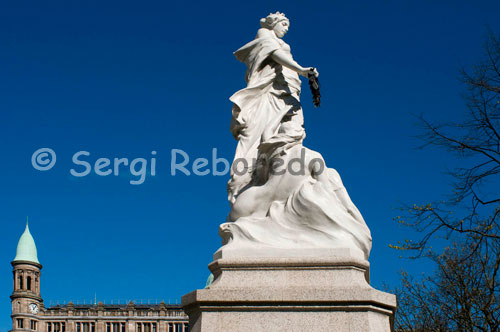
(121, 79)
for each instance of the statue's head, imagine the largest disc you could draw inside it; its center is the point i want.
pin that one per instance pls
(276, 22)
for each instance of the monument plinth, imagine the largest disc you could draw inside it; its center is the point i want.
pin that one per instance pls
(318, 293)
(295, 247)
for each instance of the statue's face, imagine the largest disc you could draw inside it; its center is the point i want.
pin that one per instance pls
(281, 28)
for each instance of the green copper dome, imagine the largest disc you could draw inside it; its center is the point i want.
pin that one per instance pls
(26, 248)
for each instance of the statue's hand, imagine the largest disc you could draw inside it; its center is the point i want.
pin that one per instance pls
(314, 72)
(309, 71)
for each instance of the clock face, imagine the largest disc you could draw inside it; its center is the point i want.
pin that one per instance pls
(33, 308)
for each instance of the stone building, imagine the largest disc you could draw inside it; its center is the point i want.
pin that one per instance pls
(30, 314)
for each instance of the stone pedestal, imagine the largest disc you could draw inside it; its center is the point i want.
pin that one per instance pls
(305, 293)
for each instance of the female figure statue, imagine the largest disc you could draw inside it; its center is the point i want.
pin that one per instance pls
(271, 95)
(281, 210)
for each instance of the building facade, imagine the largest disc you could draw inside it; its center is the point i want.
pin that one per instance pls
(29, 313)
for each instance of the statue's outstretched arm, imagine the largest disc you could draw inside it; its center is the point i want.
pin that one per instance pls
(285, 59)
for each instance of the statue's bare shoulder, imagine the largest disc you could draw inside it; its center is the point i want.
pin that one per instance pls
(264, 33)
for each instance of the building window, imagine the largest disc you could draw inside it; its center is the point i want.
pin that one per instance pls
(116, 327)
(186, 327)
(83, 327)
(21, 286)
(123, 327)
(178, 327)
(28, 283)
(63, 327)
(108, 327)
(19, 323)
(147, 327)
(170, 327)
(154, 327)
(33, 325)
(139, 327)
(49, 327)
(92, 327)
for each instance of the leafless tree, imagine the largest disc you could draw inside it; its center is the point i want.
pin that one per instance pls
(461, 295)
(473, 208)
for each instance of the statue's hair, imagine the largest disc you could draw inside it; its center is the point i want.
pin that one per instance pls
(270, 21)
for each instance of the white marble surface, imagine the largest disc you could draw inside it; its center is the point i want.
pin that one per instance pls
(295, 247)
(303, 204)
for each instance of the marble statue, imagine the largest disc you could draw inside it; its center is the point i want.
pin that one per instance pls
(275, 206)
(295, 247)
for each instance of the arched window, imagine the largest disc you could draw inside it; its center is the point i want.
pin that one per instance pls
(20, 278)
(28, 283)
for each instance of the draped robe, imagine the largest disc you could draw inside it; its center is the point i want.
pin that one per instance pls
(272, 93)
